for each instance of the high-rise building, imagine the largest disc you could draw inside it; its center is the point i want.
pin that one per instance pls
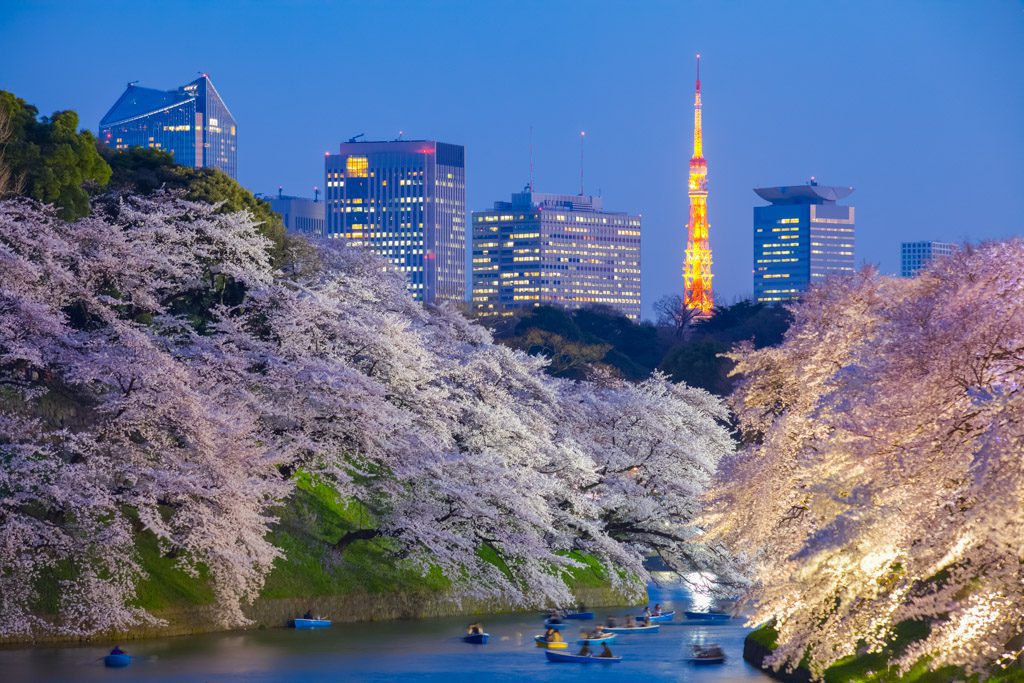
(405, 200)
(697, 294)
(191, 122)
(559, 250)
(915, 256)
(299, 214)
(802, 237)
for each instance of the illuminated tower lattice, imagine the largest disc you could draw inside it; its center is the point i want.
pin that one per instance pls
(697, 267)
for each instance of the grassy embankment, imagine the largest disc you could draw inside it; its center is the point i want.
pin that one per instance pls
(309, 525)
(874, 667)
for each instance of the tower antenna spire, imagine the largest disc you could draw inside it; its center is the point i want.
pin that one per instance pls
(583, 136)
(531, 157)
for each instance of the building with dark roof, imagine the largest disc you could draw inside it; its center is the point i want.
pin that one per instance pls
(406, 201)
(191, 122)
(803, 236)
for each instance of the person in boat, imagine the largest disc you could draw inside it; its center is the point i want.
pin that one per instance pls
(475, 629)
(630, 622)
(117, 650)
(553, 635)
(585, 650)
(308, 614)
(657, 610)
(612, 623)
(598, 632)
(605, 651)
(554, 617)
(647, 613)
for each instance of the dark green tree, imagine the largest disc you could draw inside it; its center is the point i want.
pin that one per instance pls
(49, 159)
(141, 171)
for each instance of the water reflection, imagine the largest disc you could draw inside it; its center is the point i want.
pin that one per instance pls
(428, 650)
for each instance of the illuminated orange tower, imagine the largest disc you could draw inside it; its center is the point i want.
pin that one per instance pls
(697, 267)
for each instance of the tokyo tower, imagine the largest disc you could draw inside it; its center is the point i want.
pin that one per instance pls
(697, 294)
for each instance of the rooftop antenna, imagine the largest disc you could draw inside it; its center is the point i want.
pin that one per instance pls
(583, 136)
(400, 134)
(531, 158)
(316, 194)
(355, 138)
(280, 191)
(131, 83)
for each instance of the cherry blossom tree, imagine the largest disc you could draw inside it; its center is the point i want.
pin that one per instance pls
(159, 376)
(881, 475)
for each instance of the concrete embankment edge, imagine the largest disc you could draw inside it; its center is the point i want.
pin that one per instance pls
(352, 607)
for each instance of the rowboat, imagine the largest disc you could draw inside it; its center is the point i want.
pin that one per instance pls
(558, 626)
(310, 623)
(603, 639)
(576, 659)
(664, 616)
(550, 644)
(707, 616)
(707, 654)
(579, 615)
(477, 638)
(117, 661)
(653, 628)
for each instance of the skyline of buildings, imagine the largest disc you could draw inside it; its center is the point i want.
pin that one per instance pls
(916, 256)
(191, 122)
(424, 234)
(551, 249)
(800, 238)
(406, 201)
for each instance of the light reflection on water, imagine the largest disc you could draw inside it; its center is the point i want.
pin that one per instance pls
(428, 650)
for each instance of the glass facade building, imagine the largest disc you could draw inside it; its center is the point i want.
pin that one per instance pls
(405, 200)
(191, 122)
(915, 256)
(299, 214)
(800, 238)
(559, 250)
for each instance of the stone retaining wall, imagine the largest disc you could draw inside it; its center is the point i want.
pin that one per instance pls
(273, 613)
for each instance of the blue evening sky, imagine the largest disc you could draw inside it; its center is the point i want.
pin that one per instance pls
(917, 104)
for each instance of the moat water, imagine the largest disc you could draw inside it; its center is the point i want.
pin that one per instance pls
(425, 650)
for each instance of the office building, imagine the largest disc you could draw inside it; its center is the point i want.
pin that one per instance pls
(299, 214)
(558, 250)
(803, 236)
(915, 256)
(191, 122)
(405, 200)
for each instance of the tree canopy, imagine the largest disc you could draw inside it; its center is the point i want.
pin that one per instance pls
(882, 476)
(49, 159)
(125, 413)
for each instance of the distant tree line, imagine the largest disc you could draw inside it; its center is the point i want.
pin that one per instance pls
(599, 340)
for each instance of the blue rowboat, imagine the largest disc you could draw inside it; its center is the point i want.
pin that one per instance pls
(477, 638)
(653, 628)
(117, 661)
(664, 616)
(576, 659)
(579, 615)
(707, 616)
(558, 626)
(310, 623)
(603, 639)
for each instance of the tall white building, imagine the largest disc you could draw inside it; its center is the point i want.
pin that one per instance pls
(556, 250)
